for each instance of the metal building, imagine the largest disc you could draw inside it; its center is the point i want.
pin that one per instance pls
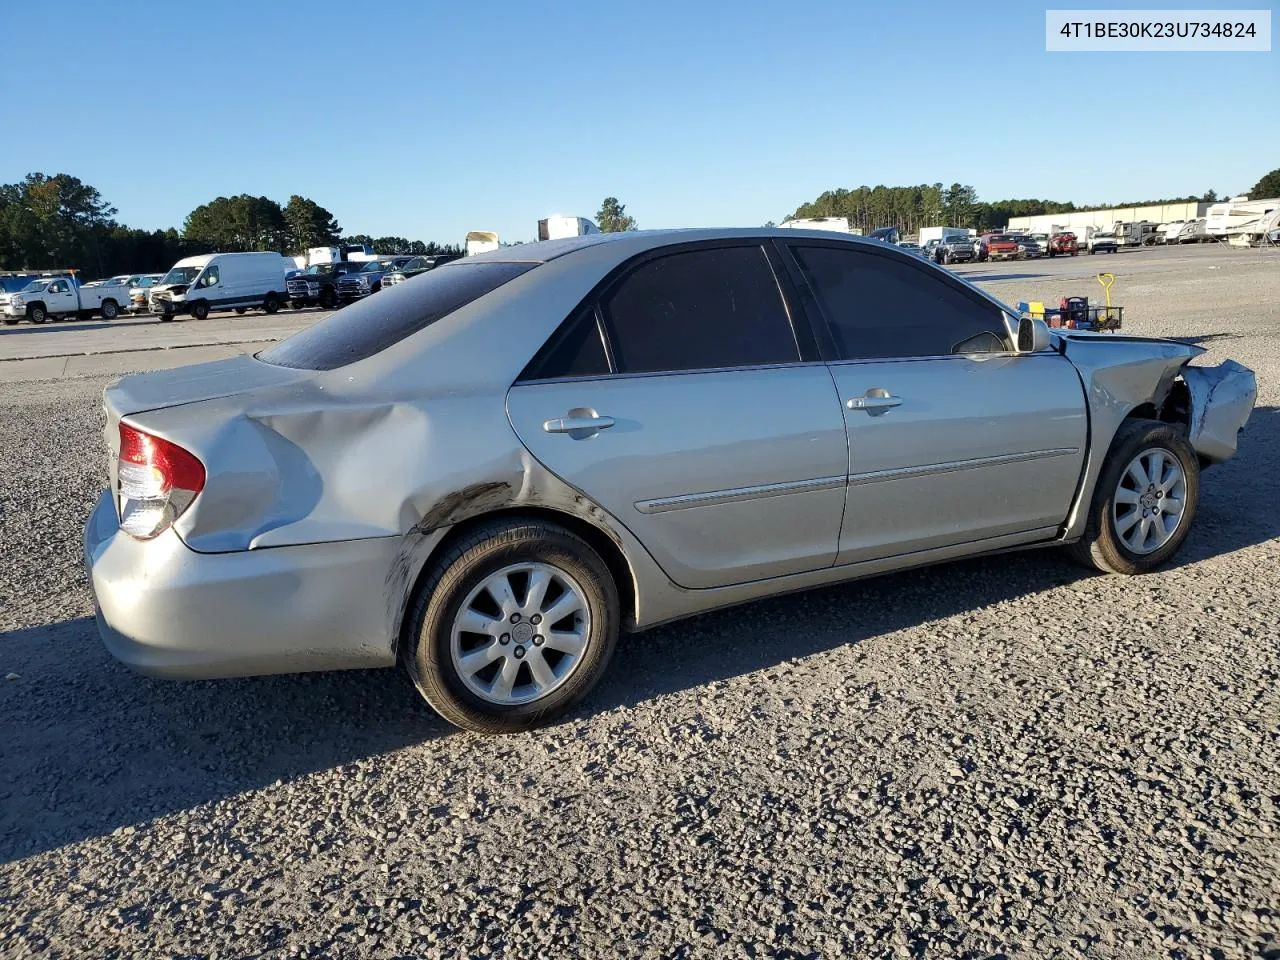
(1104, 219)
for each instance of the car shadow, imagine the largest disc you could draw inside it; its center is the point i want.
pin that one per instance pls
(90, 747)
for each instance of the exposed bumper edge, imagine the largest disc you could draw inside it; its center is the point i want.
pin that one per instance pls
(1222, 398)
(165, 610)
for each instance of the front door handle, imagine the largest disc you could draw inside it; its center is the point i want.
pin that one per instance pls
(874, 400)
(579, 423)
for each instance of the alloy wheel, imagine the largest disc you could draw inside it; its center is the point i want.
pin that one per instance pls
(520, 633)
(1149, 501)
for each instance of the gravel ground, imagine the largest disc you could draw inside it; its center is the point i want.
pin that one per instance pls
(995, 758)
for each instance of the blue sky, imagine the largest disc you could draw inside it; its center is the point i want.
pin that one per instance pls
(426, 120)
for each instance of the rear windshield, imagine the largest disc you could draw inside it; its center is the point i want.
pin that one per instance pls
(375, 323)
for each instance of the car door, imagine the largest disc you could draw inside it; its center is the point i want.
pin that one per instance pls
(62, 297)
(953, 437)
(680, 400)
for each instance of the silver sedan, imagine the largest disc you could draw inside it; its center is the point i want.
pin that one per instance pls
(489, 471)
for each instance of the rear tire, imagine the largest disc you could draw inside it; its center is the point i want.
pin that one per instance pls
(456, 587)
(200, 310)
(271, 304)
(1107, 544)
(110, 310)
(241, 311)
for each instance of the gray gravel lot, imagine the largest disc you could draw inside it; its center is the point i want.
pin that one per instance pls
(1000, 757)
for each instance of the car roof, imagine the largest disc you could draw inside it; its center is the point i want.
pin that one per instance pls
(637, 241)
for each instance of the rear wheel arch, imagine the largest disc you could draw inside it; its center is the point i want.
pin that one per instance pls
(610, 551)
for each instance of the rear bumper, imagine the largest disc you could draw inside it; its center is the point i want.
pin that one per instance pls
(166, 610)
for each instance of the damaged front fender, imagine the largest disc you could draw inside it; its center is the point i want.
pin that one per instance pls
(1222, 398)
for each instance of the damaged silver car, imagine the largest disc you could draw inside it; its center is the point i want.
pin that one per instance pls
(489, 472)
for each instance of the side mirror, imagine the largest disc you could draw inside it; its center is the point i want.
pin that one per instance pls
(1033, 335)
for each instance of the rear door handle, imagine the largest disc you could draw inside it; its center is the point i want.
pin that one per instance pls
(873, 402)
(578, 424)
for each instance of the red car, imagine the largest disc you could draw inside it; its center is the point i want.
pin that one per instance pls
(1063, 244)
(1001, 246)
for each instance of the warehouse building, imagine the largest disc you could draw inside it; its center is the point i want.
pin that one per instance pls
(1104, 219)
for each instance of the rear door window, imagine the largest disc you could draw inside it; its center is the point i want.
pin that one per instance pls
(371, 325)
(699, 309)
(882, 307)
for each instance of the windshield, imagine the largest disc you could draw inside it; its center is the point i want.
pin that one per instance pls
(376, 266)
(34, 285)
(318, 268)
(181, 275)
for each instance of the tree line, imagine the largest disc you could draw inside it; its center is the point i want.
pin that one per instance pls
(932, 204)
(60, 222)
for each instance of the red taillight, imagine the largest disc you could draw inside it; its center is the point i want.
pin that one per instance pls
(158, 480)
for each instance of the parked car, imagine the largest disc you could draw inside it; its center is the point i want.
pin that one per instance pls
(1063, 245)
(140, 291)
(490, 472)
(318, 284)
(57, 298)
(368, 279)
(1104, 241)
(12, 283)
(1028, 248)
(912, 248)
(1002, 246)
(421, 265)
(954, 250)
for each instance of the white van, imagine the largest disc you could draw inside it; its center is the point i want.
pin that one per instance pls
(221, 281)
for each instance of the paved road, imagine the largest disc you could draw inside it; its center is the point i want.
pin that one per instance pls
(1007, 757)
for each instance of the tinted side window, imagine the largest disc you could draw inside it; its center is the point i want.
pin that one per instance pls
(575, 351)
(879, 307)
(699, 309)
(375, 323)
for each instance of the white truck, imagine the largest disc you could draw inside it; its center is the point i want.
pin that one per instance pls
(348, 253)
(59, 297)
(481, 241)
(942, 234)
(555, 228)
(833, 224)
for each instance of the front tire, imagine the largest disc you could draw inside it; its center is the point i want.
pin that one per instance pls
(514, 625)
(37, 314)
(200, 310)
(1144, 501)
(328, 298)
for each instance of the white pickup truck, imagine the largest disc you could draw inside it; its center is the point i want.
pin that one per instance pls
(55, 297)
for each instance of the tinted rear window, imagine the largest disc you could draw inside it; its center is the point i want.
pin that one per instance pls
(376, 322)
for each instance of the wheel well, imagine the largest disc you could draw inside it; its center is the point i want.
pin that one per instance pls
(1175, 408)
(600, 541)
